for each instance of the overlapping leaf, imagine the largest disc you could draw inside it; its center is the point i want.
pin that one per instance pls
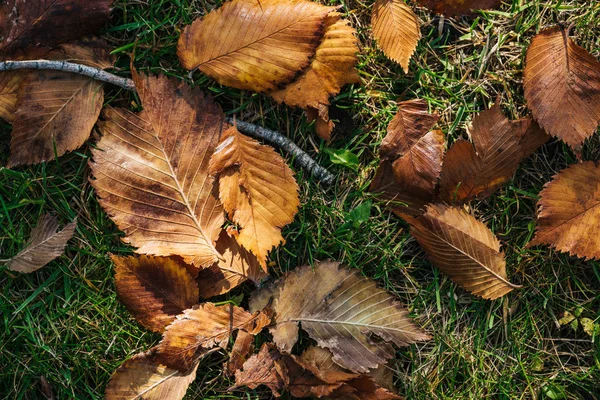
(154, 289)
(242, 348)
(151, 171)
(344, 312)
(500, 145)
(257, 189)
(562, 87)
(396, 28)
(464, 249)
(569, 212)
(452, 8)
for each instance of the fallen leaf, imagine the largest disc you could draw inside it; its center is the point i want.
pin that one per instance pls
(569, 211)
(500, 145)
(323, 124)
(254, 45)
(237, 266)
(243, 347)
(359, 337)
(47, 23)
(464, 249)
(201, 328)
(45, 244)
(396, 29)
(562, 87)
(257, 189)
(154, 289)
(151, 171)
(453, 8)
(142, 377)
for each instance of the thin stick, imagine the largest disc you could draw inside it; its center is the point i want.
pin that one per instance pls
(300, 157)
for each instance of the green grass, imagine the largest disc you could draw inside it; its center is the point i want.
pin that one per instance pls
(65, 323)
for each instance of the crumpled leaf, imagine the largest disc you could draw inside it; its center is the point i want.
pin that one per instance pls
(345, 313)
(45, 244)
(396, 29)
(257, 189)
(237, 266)
(47, 23)
(562, 87)
(500, 145)
(242, 348)
(453, 8)
(154, 289)
(201, 328)
(254, 45)
(569, 212)
(143, 377)
(464, 249)
(151, 171)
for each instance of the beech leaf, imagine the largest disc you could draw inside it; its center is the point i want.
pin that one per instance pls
(45, 244)
(562, 87)
(344, 312)
(464, 249)
(154, 289)
(151, 171)
(257, 189)
(453, 8)
(242, 348)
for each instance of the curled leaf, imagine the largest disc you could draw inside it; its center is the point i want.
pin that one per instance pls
(241, 351)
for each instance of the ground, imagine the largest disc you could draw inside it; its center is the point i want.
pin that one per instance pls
(64, 322)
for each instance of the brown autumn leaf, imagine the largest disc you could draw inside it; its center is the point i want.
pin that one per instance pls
(569, 212)
(45, 244)
(396, 29)
(56, 110)
(143, 377)
(47, 23)
(464, 249)
(154, 289)
(500, 145)
(453, 8)
(359, 337)
(151, 171)
(254, 45)
(562, 87)
(242, 348)
(237, 266)
(257, 189)
(201, 328)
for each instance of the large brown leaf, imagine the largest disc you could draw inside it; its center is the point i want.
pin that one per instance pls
(151, 171)
(237, 266)
(396, 28)
(569, 212)
(142, 377)
(562, 87)
(452, 8)
(47, 23)
(500, 145)
(344, 312)
(254, 45)
(154, 289)
(202, 328)
(258, 191)
(464, 249)
(45, 244)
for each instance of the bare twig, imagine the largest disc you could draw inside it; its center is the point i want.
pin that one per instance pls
(301, 158)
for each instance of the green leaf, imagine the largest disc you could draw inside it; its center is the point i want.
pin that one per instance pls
(343, 157)
(355, 218)
(567, 318)
(588, 326)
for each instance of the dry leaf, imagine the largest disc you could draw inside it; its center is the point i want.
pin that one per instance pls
(142, 377)
(452, 8)
(243, 347)
(47, 23)
(258, 191)
(45, 244)
(151, 169)
(396, 28)
(323, 125)
(500, 145)
(254, 45)
(464, 249)
(569, 212)
(237, 266)
(562, 87)
(345, 312)
(202, 328)
(154, 289)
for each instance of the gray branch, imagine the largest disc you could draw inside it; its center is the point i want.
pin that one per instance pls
(301, 158)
